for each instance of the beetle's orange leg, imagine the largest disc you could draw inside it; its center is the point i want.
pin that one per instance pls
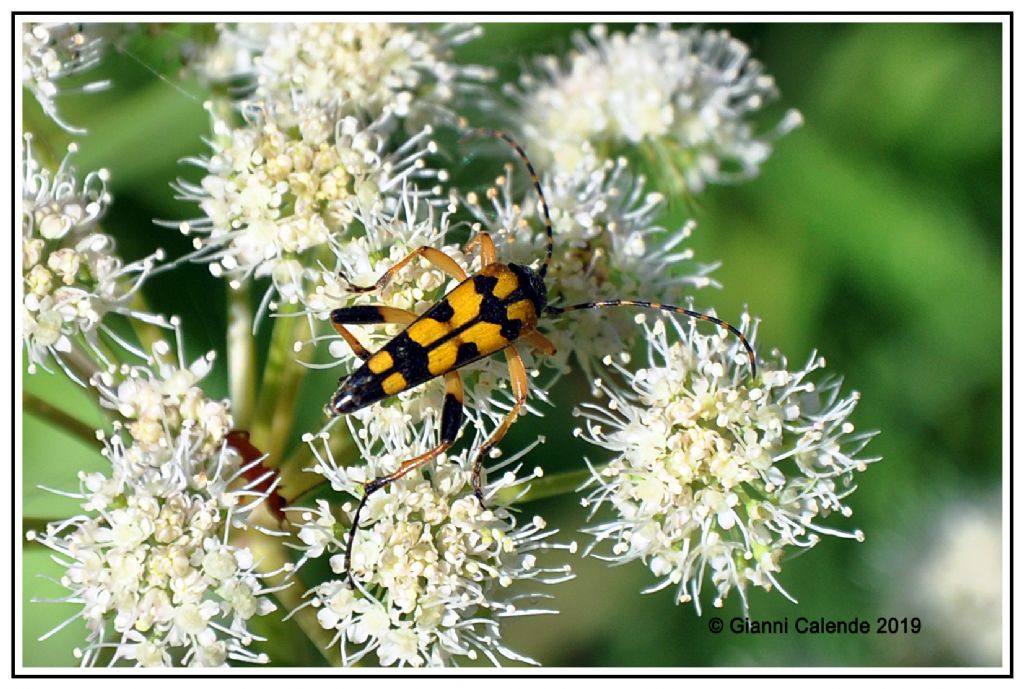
(366, 315)
(488, 254)
(520, 384)
(540, 343)
(451, 422)
(437, 258)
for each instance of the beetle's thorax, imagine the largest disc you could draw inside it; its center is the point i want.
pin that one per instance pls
(532, 286)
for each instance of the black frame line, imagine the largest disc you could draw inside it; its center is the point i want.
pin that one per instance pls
(243, 672)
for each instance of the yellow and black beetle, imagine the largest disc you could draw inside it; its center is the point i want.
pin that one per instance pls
(488, 312)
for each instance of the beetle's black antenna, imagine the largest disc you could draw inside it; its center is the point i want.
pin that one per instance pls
(353, 530)
(556, 310)
(534, 177)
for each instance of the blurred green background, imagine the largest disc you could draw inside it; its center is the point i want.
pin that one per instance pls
(872, 235)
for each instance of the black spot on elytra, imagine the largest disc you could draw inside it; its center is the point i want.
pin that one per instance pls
(484, 284)
(442, 311)
(468, 351)
(361, 389)
(492, 310)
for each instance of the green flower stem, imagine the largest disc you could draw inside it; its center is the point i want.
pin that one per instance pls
(272, 555)
(80, 364)
(241, 356)
(37, 406)
(545, 487)
(282, 376)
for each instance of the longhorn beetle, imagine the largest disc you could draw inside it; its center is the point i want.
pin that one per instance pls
(488, 312)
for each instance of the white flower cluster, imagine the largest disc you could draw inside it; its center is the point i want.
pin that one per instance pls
(359, 69)
(715, 473)
(150, 561)
(164, 397)
(71, 274)
(53, 52)
(606, 245)
(686, 97)
(273, 195)
(317, 153)
(435, 574)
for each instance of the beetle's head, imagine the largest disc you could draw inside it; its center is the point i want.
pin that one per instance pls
(342, 400)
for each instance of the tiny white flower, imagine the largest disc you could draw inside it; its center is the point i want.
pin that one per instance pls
(400, 646)
(211, 655)
(163, 394)
(714, 473)
(145, 652)
(219, 563)
(191, 619)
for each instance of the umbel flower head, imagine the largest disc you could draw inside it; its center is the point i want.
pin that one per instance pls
(164, 396)
(685, 97)
(150, 560)
(607, 244)
(715, 475)
(366, 70)
(71, 274)
(274, 194)
(53, 52)
(435, 573)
